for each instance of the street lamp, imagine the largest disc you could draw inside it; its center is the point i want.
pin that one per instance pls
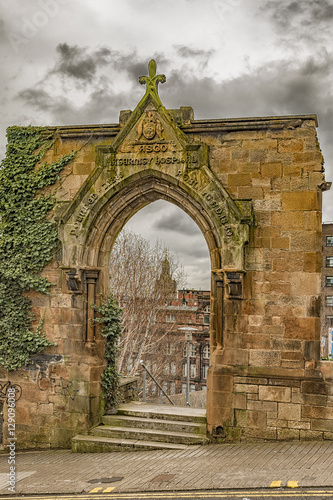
(188, 330)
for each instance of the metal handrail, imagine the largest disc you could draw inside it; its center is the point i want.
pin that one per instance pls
(154, 379)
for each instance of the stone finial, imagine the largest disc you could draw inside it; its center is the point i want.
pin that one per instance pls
(152, 80)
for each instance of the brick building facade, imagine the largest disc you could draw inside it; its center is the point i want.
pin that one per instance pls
(327, 290)
(190, 308)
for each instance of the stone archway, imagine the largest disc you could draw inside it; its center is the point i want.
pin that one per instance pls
(253, 186)
(150, 159)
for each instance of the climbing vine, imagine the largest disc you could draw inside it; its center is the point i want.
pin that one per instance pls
(28, 239)
(110, 318)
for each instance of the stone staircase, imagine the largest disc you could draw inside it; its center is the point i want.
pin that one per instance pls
(141, 426)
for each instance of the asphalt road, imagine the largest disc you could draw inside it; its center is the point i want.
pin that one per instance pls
(261, 494)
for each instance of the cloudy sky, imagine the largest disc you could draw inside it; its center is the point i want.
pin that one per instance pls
(69, 62)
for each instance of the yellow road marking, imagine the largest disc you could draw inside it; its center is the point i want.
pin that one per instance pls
(292, 484)
(275, 484)
(109, 489)
(96, 490)
(182, 494)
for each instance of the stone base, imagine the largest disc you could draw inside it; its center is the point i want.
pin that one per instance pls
(269, 403)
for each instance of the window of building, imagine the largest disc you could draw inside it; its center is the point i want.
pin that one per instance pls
(206, 351)
(329, 300)
(172, 388)
(329, 241)
(170, 318)
(329, 261)
(173, 368)
(192, 387)
(192, 350)
(170, 348)
(204, 387)
(193, 372)
(206, 319)
(205, 371)
(207, 309)
(329, 280)
(166, 369)
(183, 388)
(329, 320)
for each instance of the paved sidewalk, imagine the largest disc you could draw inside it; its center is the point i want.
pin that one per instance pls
(253, 465)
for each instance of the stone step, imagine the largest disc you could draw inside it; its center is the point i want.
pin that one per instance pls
(163, 412)
(153, 423)
(149, 435)
(94, 444)
(143, 426)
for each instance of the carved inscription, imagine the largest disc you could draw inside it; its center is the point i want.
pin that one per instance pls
(188, 179)
(218, 211)
(149, 161)
(214, 205)
(153, 148)
(85, 208)
(111, 181)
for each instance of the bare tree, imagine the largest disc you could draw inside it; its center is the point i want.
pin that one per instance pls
(144, 280)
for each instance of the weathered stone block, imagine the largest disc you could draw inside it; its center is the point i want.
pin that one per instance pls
(317, 412)
(266, 434)
(301, 328)
(322, 425)
(290, 145)
(265, 406)
(288, 434)
(268, 393)
(300, 201)
(246, 388)
(264, 358)
(251, 419)
(314, 387)
(271, 169)
(310, 435)
(289, 411)
(239, 401)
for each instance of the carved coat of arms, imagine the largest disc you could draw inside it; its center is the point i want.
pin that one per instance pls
(149, 127)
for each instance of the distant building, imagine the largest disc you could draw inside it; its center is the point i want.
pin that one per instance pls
(327, 290)
(190, 308)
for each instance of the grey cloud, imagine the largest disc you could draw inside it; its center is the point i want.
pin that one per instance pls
(76, 62)
(188, 52)
(83, 64)
(172, 222)
(298, 15)
(276, 88)
(102, 106)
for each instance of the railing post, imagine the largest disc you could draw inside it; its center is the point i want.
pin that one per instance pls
(162, 391)
(144, 377)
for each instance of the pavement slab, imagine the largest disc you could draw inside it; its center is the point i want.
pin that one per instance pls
(251, 465)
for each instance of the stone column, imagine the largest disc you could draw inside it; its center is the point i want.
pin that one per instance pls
(89, 279)
(219, 283)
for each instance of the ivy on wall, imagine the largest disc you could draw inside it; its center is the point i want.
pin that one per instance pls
(110, 319)
(28, 239)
